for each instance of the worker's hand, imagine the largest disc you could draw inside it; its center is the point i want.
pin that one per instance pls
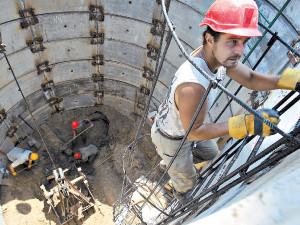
(242, 125)
(29, 166)
(290, 79)
(14, 173)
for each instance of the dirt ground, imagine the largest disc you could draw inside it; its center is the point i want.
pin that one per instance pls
(22, 199)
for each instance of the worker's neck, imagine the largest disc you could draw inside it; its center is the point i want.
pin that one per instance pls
(207, 54)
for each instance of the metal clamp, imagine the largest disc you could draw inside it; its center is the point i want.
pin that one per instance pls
(43, 67)
(47, 85)
(98, 60)
(96, 13)
(98, 77)
(157, 28)
(99, 94)
(152, 52)
(54, 100)
(97, 38)
(148, 73)
(144, 90)
(3, 115)
(36, 45)
(28, 17)
(11, 131)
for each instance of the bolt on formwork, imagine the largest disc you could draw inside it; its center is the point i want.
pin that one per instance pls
(151, 193)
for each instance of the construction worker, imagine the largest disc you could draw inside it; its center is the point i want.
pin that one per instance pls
(87, 153)
(79, 127)
(19, 156)
(230, 24)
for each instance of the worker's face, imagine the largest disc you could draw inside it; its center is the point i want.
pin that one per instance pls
(228, 49)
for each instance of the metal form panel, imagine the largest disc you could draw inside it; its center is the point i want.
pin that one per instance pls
(11, 10)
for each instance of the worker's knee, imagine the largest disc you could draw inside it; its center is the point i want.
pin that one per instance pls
(204, 150)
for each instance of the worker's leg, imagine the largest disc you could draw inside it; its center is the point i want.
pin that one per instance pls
(182, 171)
(92, 157)
(204, 150)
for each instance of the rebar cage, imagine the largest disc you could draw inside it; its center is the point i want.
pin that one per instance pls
(222, 174)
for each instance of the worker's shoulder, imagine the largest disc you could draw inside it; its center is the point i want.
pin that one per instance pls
(190, 88)
(16, 150)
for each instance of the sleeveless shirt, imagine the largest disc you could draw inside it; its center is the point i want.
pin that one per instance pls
(167, 117)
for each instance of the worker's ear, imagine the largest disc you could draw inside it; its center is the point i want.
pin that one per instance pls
(209, 38)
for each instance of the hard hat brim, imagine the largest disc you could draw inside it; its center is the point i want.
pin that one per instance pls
(243, 32)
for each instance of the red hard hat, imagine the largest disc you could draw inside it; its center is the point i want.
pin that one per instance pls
(77, 155)
(237, 17)
(75, 124)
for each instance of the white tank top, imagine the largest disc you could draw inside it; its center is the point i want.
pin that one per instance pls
(167, 117)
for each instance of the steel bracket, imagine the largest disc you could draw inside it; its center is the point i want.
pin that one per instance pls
(11, 131)
(152, 52)
(36, 45)
(98, 60)
(43, 67)
(28, 17)
(148, 73)
(54, 100)
(97, 38)
(99, 94)
(144, 90)
(140, 102)
(2, 47)
(3, 115)
(96, 13)
(98, 77)
(157, 28)
(47, 85)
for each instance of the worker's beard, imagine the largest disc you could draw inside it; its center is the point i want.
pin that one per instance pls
(229, 62)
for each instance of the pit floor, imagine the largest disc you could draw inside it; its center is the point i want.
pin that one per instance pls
(22, 200)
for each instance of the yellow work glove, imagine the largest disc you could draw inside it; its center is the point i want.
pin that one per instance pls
(29, 166)
(242, 125)
(290, 79)
(14, 173)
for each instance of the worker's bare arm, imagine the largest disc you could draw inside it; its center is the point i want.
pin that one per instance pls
(187, 98)
(29, 163)
(252, 79)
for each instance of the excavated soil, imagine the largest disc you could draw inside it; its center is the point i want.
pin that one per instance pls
(22, 200)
